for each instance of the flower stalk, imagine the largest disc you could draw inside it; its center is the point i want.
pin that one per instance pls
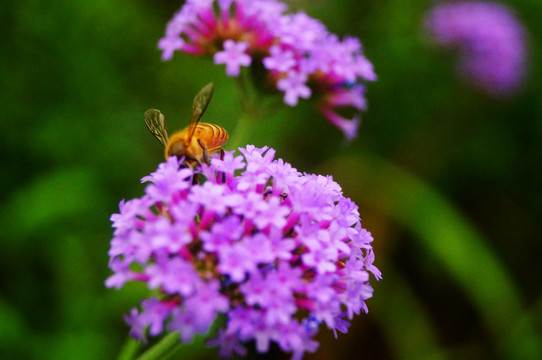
(166, 345)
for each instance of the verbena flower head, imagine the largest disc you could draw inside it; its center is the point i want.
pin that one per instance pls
(301, 57)
(490, 39)
(276, 251)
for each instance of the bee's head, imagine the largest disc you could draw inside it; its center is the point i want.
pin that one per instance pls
(180, 150)
(177, 148)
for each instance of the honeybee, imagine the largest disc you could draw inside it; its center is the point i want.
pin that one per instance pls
(196, 141)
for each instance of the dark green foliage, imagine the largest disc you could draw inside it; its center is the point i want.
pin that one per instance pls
(447, 179)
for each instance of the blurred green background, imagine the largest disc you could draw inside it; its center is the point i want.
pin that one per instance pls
(447, 179)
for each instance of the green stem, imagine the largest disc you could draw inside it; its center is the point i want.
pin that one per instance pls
(129, 349)
(164, 346)
(243, 94)
(241, 134)
(171, 347)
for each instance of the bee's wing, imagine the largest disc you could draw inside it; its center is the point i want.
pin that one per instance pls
(156, 125)
(201, 101)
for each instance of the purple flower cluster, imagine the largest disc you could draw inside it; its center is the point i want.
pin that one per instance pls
(276, 251)
(301, 57)
(491, 41)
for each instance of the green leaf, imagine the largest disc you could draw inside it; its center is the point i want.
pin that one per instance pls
(60, 194)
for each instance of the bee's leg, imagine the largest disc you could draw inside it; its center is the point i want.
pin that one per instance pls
(205, 152)
(188, 161)
(223, 177)
(195, 163)
(195, 179)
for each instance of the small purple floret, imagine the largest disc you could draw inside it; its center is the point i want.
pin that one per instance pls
(233, 56)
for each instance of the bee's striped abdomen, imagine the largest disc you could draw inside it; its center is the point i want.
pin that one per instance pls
(212, 135)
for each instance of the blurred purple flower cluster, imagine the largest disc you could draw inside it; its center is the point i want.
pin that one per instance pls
(278, 252)
(301, 58)
(491, 41)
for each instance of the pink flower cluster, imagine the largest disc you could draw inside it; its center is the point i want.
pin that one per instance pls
(301, 57)
(276, 251)
(490, 39)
